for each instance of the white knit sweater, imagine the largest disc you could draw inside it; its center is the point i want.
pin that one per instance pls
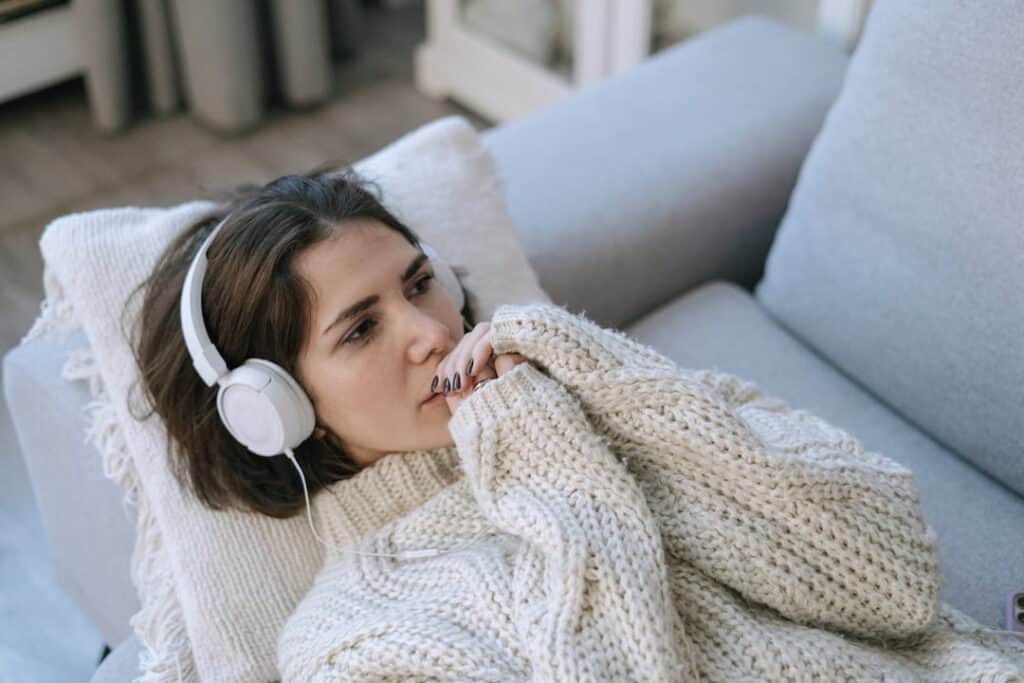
(644, 522)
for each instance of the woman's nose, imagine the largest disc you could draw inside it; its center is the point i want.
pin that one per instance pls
(430, 335)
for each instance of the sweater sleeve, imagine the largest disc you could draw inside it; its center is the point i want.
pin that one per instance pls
(590, 580)
(776, 504)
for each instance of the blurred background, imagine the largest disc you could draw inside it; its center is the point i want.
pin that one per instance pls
(109, 103)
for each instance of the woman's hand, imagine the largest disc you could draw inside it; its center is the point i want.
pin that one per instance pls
(474, 347)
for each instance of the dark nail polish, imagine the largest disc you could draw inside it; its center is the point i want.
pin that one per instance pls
(458, 382)
(469, 368)
(447, 385)
(433, 384)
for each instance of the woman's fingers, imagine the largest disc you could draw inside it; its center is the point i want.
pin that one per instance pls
(453, 375)
(473, 358)
(467, 356)
(456, 398)
(480, 355)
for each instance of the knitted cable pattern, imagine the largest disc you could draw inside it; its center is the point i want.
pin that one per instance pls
(642, 522)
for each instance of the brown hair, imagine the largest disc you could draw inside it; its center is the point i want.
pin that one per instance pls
(255, 305)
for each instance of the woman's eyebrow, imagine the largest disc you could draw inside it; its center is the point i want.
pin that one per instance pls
(361, 305)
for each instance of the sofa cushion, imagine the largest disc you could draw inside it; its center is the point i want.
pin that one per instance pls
(977, 520)
(900, 257)
(217, 586)
(89, 527)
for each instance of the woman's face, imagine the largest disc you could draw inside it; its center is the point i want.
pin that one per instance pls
(369, 372)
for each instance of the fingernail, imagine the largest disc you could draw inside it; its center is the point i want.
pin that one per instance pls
(469, 368)
(458, 382)
(433, 384)
(447, 385)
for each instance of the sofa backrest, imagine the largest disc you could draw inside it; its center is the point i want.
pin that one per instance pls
(901, 254)
(670, 174)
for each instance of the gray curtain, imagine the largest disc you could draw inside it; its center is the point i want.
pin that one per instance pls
(227, 61)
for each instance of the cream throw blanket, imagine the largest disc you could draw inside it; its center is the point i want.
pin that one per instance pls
(644, 522)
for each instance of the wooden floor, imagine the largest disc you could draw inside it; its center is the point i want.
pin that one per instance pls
(53, 162)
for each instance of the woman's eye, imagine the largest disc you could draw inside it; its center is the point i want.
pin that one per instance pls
(363, 332)
(425, 281)
(360, 338)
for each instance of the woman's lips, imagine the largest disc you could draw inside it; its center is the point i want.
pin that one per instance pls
(433, 399)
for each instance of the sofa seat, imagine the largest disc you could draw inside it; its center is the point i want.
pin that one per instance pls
(720, 324)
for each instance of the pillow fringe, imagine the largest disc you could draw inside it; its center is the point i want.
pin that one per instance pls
(159, 624)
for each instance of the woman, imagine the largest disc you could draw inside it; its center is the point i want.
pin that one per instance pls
(629, 522)
(295, 251)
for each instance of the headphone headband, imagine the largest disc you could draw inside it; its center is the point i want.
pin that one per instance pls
(205, 358)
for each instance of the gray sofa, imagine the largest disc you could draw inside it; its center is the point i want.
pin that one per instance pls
(685, 202)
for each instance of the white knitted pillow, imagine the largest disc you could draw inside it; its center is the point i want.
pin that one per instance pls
(216, 587)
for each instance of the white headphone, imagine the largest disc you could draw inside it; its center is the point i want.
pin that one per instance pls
(260, 404)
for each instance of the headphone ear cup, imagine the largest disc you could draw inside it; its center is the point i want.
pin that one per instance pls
(264, 408)
(446, 276)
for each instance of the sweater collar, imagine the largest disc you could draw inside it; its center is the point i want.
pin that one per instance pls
(398, 482)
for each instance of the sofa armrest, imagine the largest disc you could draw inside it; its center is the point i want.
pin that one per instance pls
(671, 174)
(90, 533)
(121, 665)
